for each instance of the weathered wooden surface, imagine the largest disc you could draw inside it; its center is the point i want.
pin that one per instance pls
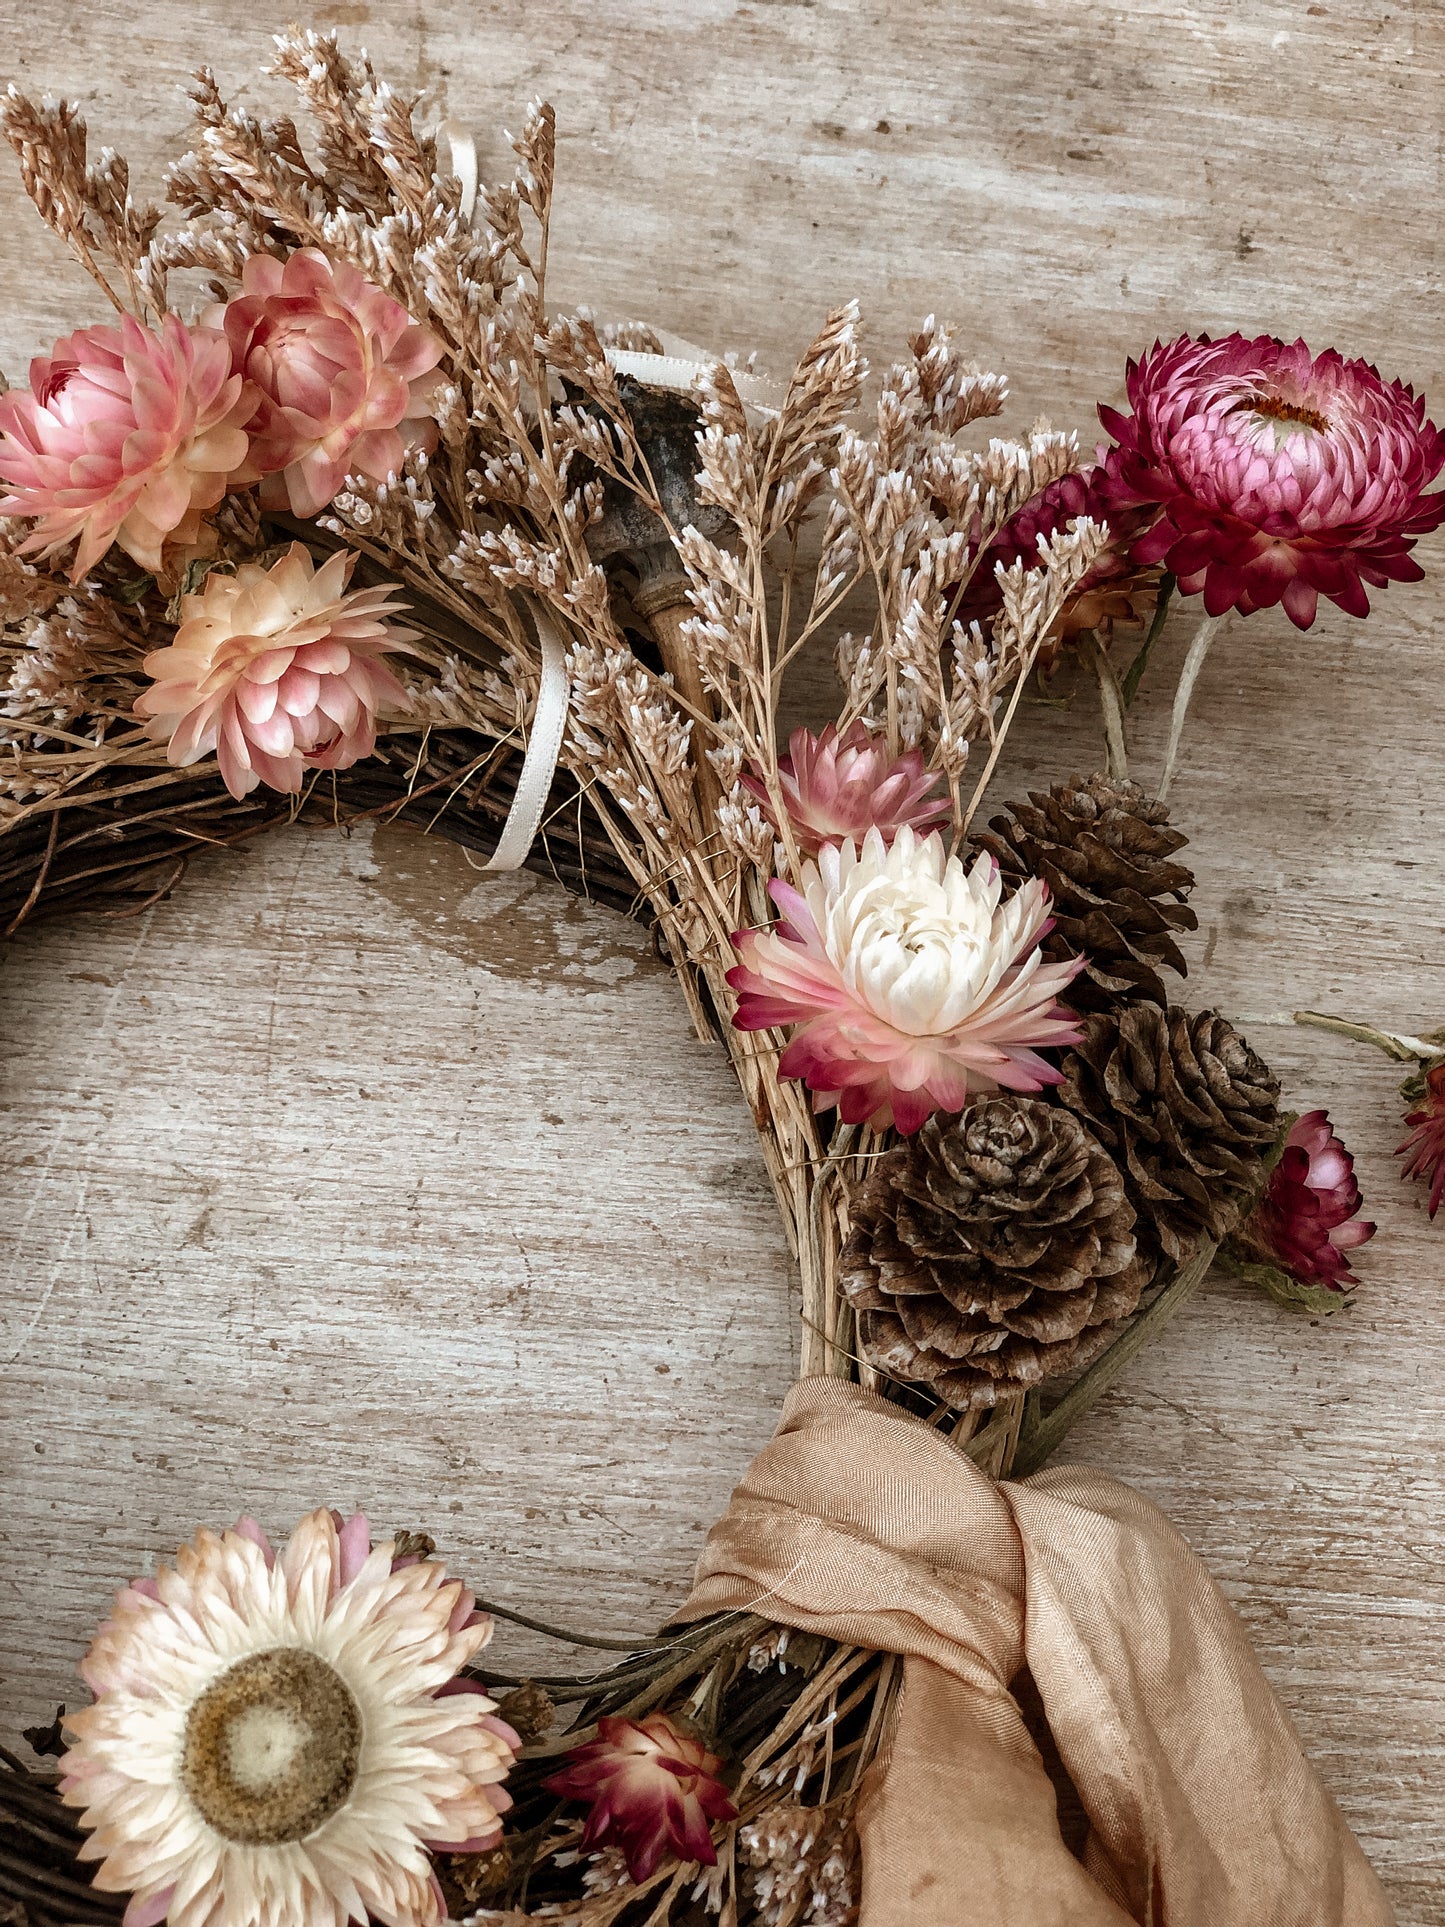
(349, 1177)
(215, 1212)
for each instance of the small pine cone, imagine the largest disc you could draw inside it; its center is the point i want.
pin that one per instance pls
(1186, 1108)
(1104, 849)
(991, 1251)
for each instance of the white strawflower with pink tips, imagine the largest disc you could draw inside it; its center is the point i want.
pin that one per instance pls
(276, 672)
(278, 1739)
(908, 981)
(124, 437)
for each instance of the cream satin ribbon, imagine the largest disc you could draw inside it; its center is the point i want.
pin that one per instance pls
(544, 746)
(680, 364)
(677, 367)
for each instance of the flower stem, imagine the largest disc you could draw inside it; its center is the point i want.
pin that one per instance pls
(1396, 1047)
(1135, 674)
(1111, 701)
(1038, 1442)
(996, 750)
(1188, 676)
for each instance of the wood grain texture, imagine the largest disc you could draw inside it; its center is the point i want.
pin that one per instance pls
(345, 1177)
(1065, 183)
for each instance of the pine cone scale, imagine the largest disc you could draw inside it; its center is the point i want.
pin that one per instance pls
(1188, 1110)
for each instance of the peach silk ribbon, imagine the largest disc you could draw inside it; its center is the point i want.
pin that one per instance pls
(860, 1523)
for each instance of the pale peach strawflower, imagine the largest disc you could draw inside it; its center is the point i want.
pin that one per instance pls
(278, 1738)
(124, 436)
(276, 672)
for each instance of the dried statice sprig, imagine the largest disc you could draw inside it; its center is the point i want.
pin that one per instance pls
(803, 1865)
(87, 203)
(68, 679)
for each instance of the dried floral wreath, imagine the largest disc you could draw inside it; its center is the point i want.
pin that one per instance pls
(1003, 1156)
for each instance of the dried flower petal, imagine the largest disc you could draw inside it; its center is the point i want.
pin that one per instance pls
(125, 436)
(1425, 1146)
(1307, 1222)
(279, 1737)
(276, 671)
(342, 374)
(1116, 589)
(837, 787)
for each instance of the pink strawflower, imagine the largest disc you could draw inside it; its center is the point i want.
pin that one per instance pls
(909, 983)
(343, 374)
(653, 1789)
(1307, 1222)
(276, 672)
(285, 1735)
(1425, 1146)
(124, 436)
(1280, 477)
(840, 786)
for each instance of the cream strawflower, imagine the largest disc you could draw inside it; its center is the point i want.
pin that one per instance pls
(276, 1739)
(910, 980)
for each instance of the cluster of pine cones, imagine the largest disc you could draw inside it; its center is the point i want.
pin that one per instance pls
(1008, 1245)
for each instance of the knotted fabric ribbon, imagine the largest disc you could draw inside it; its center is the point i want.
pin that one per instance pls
(860, 1523)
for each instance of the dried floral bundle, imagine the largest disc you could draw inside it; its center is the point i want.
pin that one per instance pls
(314, 539)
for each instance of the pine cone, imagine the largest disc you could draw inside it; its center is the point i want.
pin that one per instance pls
(1104, 850)
(991, 1251)
(1187, 1110)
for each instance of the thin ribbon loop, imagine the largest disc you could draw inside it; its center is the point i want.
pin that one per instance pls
(549, 718)
(462, 155)
(544, 746)
(680, 364)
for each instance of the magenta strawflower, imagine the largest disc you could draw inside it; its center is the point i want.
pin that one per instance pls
(124, 436)
(1425, 1146)
(1114, 588)
(344, 378)
(907, 981)
(652, 1788)
(1308, 1220)
(840, 786)
(1279, 476)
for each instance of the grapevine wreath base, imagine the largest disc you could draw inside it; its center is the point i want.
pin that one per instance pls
(341, 521)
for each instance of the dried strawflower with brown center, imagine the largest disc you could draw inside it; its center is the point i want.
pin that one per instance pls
(279, 1738)
(1276, 476)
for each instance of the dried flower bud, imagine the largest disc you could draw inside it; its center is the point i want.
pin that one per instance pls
(652, 1789)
